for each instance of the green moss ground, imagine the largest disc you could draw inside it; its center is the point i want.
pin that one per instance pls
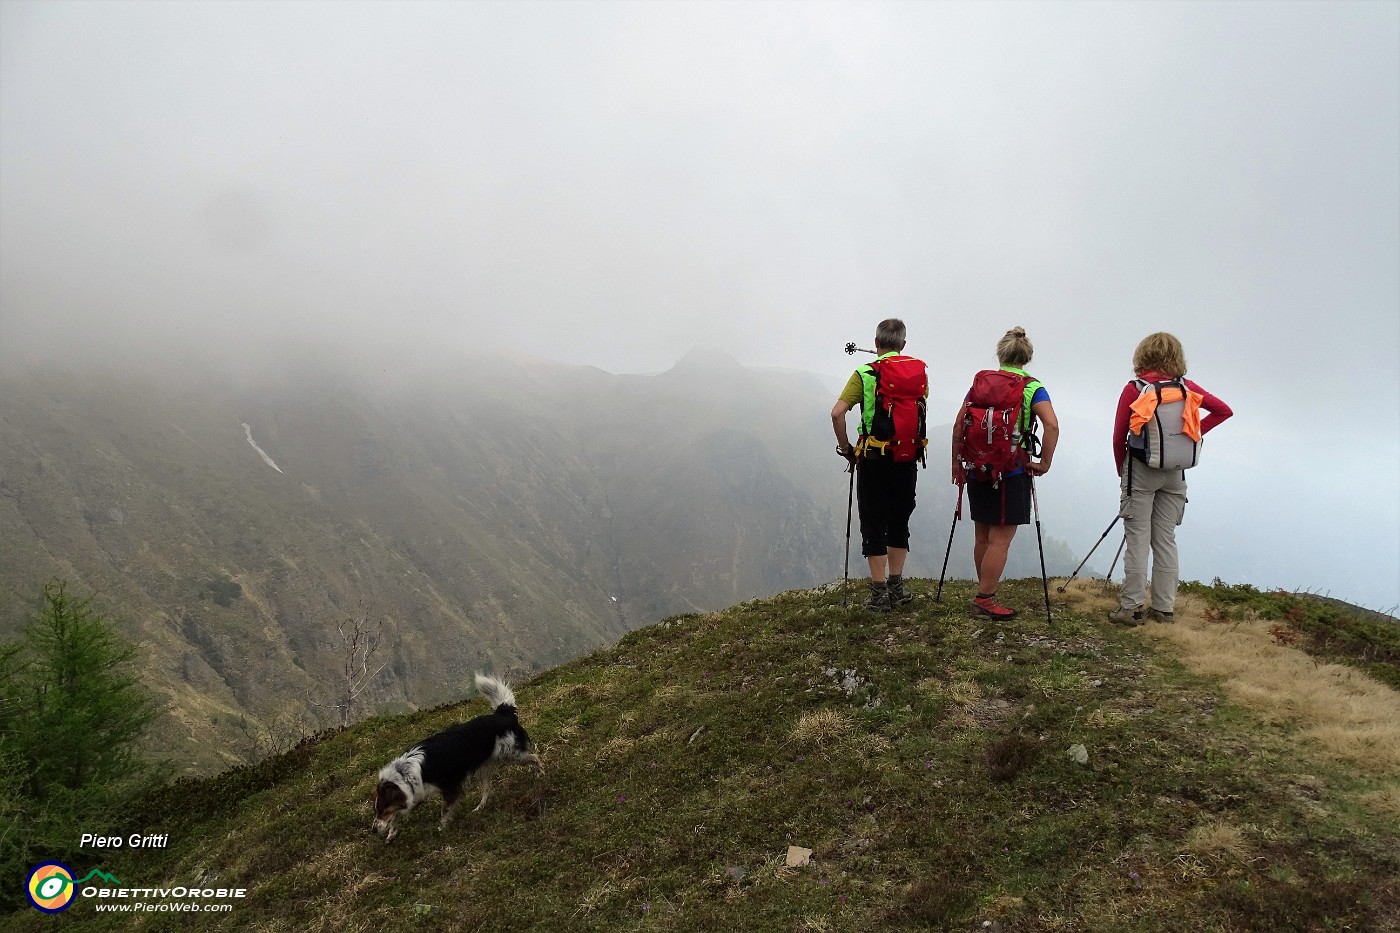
(936, 791)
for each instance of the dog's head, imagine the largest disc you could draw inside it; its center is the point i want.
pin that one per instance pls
(389, 801)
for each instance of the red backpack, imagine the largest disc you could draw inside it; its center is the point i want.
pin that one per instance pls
(993, 443)
(898, 425)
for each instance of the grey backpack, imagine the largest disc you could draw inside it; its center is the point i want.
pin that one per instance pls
(1163, 442)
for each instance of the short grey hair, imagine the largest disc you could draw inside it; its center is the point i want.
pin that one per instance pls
(889, 334)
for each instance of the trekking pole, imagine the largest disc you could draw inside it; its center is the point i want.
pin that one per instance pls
(1044, 580)
(852, 350)
(850, 498)
(1109, 579)
(957, 514)
(1061, 587)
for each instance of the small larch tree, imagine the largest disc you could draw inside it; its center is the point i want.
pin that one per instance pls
(75, 710)
(71, 715)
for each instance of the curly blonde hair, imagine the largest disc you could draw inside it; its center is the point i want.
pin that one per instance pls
(1015, 348)
(1160, 353)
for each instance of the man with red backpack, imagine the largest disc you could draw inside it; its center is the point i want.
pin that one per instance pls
(891, 392)
(994, 444)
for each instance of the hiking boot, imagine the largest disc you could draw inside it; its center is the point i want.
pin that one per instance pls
(988, 606)
(879, 600)
(898, 594)
(1128, 617)
(1157, 615)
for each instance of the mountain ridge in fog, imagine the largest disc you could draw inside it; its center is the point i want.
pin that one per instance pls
(504, 513)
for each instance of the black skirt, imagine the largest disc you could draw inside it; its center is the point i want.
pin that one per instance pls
(1009, 503)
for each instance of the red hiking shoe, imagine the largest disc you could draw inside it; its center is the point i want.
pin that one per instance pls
(988, 606)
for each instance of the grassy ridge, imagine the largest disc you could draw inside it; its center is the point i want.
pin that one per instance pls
(923, 756)
(1330, 629)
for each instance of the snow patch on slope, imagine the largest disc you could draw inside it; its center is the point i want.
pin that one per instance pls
(261, 453)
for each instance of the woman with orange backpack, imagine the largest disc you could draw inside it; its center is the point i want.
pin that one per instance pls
(1157, 432)
(993, 445)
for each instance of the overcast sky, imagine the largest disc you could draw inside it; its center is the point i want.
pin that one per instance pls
(616, 183)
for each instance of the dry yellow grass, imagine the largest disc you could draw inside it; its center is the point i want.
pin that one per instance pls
(1347, 715)
(1006, 905)
(821, 726)
(1088, 596)
(1101, 717)
(565, 693)
(930, 685)
(871, 745)
(1219, 840)
(665, 693)
(616, 747)
(593, 898)
(1339, 711)
(965, 692)
(1385, 801)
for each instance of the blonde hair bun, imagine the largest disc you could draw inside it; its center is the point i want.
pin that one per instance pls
(1015, 348)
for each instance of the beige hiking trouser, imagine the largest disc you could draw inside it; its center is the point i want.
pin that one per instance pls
(1150, 514)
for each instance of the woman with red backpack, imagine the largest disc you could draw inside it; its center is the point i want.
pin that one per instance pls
(1157, 432)
(993, 445)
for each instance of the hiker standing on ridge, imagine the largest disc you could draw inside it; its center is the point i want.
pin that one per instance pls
(891, 392)
(993, 443)
(1157, 433)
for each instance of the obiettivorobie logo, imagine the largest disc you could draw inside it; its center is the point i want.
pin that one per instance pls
(51, 887)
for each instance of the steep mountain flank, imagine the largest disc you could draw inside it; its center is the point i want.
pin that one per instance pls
(504, 513)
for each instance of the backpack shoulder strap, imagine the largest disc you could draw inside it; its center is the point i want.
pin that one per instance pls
(1029, 387)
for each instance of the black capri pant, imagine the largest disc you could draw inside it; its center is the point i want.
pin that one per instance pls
(885, 490)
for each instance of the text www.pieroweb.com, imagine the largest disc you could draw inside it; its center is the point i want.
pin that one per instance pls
(176, 907)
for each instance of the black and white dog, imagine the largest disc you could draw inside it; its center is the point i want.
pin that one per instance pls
(444, 761)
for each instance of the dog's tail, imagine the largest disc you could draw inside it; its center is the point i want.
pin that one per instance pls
(497, 692)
